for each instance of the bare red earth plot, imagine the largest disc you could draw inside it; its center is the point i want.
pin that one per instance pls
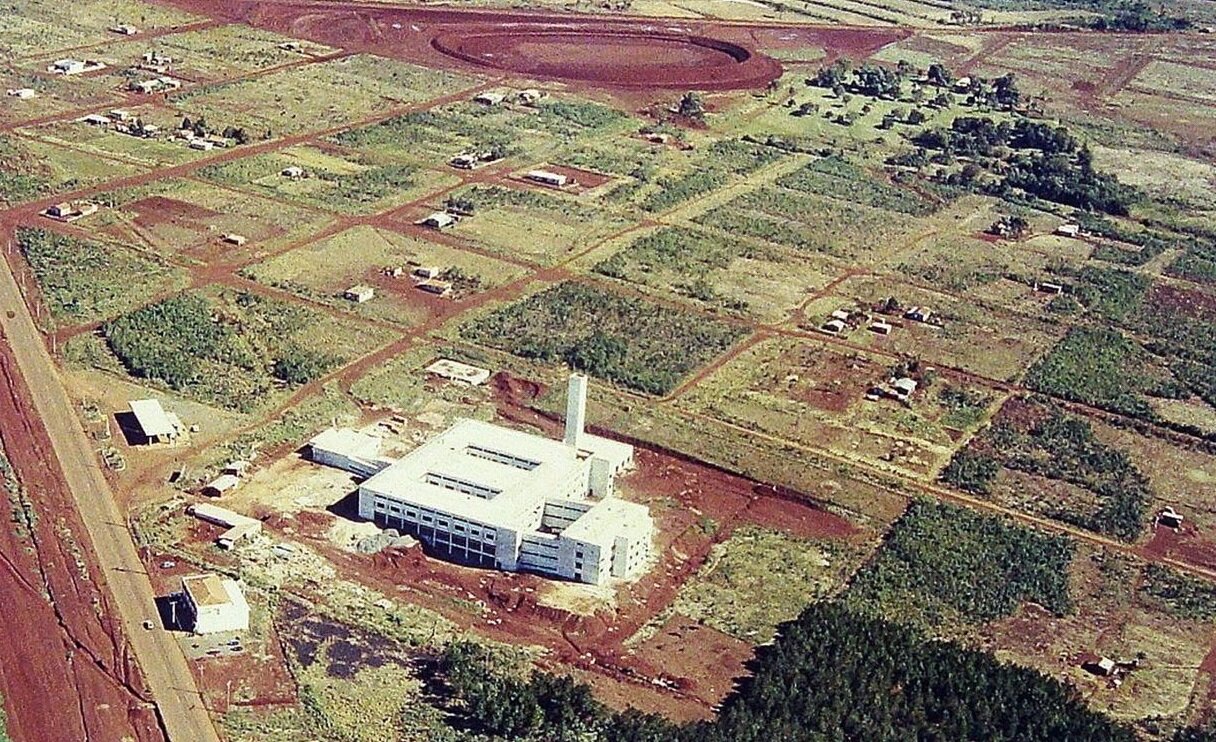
(605, 52)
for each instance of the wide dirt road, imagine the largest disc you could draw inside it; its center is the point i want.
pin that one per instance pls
(170, 683)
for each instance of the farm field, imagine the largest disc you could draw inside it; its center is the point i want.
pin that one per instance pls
(366, 252)
(906, 308)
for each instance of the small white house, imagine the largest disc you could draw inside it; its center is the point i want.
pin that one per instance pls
(22, 93)
(489, 99)
(124, 30)
(834, 326)
(157, 425)
(202, 145)
(295, 172)
(221, 484)
(214, 604)
(1069, 230)
(465, 161)
(881, 327)
(903, 387)
(234, 239)
(548, 178)
(439, 220)
(359, 294)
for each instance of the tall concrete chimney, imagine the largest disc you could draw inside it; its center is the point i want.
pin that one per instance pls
(576, 410)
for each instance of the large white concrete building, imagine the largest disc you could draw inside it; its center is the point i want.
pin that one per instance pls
(214, 604)
(490, 496)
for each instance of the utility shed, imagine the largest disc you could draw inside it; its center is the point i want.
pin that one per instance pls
(156, 425)
(214, 604)
(359, 294)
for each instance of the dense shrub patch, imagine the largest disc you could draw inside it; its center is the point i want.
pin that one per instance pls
(632, 342)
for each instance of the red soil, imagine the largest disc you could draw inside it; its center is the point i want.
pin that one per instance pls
(66, 672)
(607, 52)
(155, 210)
(1197, 304)
(614, 56)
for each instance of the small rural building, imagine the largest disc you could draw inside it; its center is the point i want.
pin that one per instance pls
(96, 119)
(234, 239)
(489, 99)
(462, 373)
(1069, 230)
(548, 178)
(359, 294)
(22, 93)
(156, 425)
(221, 484)
(882, 327)
(239, 526)
(349, 450)
(428, 271)
(841, 314)
(530, 95)
(124, 30)
(1050, 288)
(465, 161)
(436, 287)
(202, 145)
(1170, 518)
(962, 83)
(214, 604)
(439, 220)
(236, 468)
(66, 67)
(918, 314)
(70, 211)
(834, 326)
(903, 387)
(295, 172)
(291, 46)
(1102, 666)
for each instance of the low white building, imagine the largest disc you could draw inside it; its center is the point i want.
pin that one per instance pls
(359, 294)
(213, 604)
(349, 450)
(489, 496)
(463, 373)
(489, 98)
(22, 93)
(548, 178)
(156, 425)
(239, 526)
(439, 220)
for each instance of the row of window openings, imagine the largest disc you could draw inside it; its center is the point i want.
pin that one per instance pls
(463, 487)
(412, 515)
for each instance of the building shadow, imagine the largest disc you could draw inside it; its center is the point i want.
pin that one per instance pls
(130, 429)
(172, 612)
(347, 508)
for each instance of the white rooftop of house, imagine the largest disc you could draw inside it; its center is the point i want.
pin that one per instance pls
(206, 590)
(905, 385)
(348, 442)
(152, 418)
(608, 519)
(457, 371)
(460, 452)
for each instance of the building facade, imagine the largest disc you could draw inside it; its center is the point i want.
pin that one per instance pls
(489, 496)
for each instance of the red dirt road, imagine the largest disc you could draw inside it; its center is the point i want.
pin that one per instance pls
(66, 671)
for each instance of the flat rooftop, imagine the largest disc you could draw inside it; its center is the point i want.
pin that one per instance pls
(608, 519)
(467, 452)
(205, 590)
(152, 418)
